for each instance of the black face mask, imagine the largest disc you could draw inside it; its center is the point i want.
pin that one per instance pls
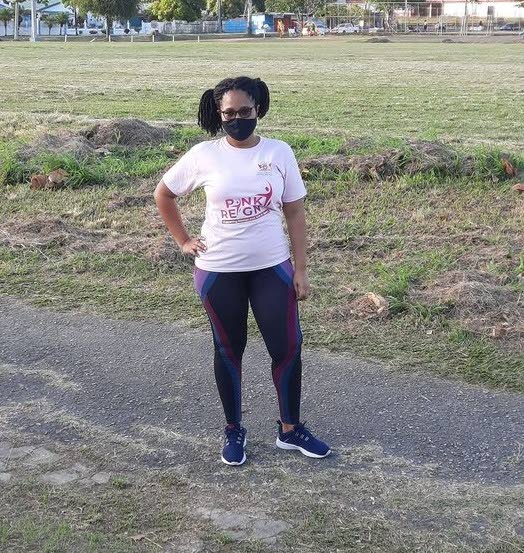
(239, 129)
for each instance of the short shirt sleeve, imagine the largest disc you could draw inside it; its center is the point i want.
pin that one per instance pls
(294, 188)
(182, 177)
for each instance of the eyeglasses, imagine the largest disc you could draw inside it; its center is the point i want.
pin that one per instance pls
(243, 113)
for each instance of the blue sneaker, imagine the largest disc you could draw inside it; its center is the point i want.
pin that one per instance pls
(234, 452)
(301, 438)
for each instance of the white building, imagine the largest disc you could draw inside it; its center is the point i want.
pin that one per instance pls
(498, 9)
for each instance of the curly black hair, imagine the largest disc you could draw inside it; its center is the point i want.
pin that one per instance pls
(208, 116)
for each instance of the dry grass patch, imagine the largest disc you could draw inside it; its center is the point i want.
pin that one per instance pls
(480, 302)
(45, 233)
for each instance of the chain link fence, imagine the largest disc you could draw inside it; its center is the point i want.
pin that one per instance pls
(425, 17)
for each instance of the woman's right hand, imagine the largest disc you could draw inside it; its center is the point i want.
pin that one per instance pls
(193, 246)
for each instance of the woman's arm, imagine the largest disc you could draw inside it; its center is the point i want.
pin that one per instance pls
(168, 209)
(296, 225)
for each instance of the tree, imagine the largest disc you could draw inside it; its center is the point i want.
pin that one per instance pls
(284, 6)
(300, 7)
(334, 12)
(185, 10)
(230, 8)
(259, 5)
(5, 16)
(50, 21)
(387, 7)
(73, 4)
(110, 9)
(340, 10)
(62, 19)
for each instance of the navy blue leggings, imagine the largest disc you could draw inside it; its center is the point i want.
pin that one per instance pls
(271, 293)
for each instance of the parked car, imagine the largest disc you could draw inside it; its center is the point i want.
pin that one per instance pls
(510, 27)
(345, 28)
(372, 29)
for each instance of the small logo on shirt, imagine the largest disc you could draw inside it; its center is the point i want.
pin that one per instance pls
(264, 168)
(240, 210)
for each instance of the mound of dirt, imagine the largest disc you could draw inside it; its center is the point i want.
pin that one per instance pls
(353, 144)
(61, 143)
(378, 40)
(424, 156)
(132, 133)
(478, 300)
(472, 293)
(376, 166)
(367, 167)
(45, 232)
(337, 162)
(417, 156)
(369, 306)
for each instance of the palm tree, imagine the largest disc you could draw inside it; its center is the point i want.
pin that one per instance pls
(49, 21)
(5, 16)
(62, 19)
(74, 5)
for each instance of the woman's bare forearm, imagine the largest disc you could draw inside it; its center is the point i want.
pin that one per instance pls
(168, 209)
(296, 225)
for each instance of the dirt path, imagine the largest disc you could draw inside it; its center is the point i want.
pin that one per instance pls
(124, 375)
(145, 393)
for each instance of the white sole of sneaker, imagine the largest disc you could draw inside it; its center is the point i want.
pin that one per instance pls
(236, 463)
(284, 445)
(233, 463)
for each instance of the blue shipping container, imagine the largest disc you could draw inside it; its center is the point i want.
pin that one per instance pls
(234, 26)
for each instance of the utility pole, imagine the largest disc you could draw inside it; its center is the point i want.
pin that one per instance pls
(34, 23)
(17, 15)
(249, 5)
(219, 15)
(464, 26)
(406, 16)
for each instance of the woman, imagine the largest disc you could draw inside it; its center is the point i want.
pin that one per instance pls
(242, 256)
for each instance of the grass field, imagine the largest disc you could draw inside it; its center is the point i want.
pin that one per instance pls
(466, 92)
(445, 248)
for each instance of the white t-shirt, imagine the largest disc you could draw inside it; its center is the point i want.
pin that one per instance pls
(245, 189)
